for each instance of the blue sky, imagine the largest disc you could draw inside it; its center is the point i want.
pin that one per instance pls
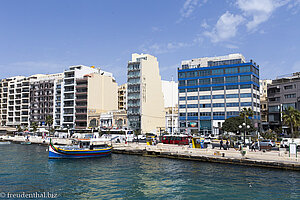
(43, 36)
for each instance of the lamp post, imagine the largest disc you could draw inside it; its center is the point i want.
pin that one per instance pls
(245, 126)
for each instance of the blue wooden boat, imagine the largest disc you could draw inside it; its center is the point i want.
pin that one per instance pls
(84, 148)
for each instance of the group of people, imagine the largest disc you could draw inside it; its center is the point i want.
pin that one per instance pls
(240, 146)
(227, 145)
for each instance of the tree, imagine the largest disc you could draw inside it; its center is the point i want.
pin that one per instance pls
(232, 124)
(291, 117)
(49, 121)
(34, 126)
(269, 134)
(246, 113)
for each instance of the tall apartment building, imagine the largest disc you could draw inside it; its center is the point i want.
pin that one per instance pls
(122, 97)
(14, 105)
(96, 93)
(282, 93)
(263, 87)
(44, 98)
(145, 99)
(212, 89)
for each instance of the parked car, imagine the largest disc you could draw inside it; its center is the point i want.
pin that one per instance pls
(266, 143)
(285, 142)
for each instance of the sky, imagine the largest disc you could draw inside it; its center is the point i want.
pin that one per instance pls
(48, 36)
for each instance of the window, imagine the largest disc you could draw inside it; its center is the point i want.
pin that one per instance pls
(246, 104)
(273, 108)
(181, 75)
(218, 105)
(205, 114)
(204, 73)
(219, 113)
(285, 106)
(205, 105)
(245, 86)
(245, 69)
(231, 70)
(235, 104)
(192, 106)
(245, 78)
(289, 96)
(204, 81)
(181, 90)
(193, 114)
(218, 96)
(218, 80)
(182, 106)
(192, 82)
(218, 88)
(245, 95)
(232, 87)
(182, 114)
(192, 98)
(192, 90)
(204, 89)
(181, 98)
(217, 71)
(233, 113)
(181, 83)
(191, 74)
(288, 87)
(231, 79)
(232, 96)
(205, 97)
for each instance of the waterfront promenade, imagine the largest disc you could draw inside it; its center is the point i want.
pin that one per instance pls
(273, 159)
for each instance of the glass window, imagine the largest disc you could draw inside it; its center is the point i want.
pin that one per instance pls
(285, 106)
(231, 79)
(288, 87)
(205, 105)
(181, 90)
(232, 87)
(192, 82)
(289, 96)
(205, 97)
(245, 78)
(181, 98)
(219, 113)
(192, 106)
(245, 69)
(191, 74)
(233, 113)
(192, 98)
(246, 104)
(218, 88)
(218, 105)
(205, 114)
(231, 70)
(273, 108)
(204, 81)
(232, 96)
(218, 80)
(245, 95)
(181, 75)
(218, 96)
(235, 104)
(245, 86)
(204, 73)
(182, 106)
(192, 114)
(192, 90)
(181, 83)
(204, 89)
(217, 71)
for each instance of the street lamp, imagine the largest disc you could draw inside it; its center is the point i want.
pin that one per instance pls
(245, 126)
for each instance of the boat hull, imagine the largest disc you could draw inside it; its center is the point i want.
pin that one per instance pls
(56, 153)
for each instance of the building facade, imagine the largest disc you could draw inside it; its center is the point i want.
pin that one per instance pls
(122, 97)
(283, 93)
(145, 101)
(212, 89)
(264, 103)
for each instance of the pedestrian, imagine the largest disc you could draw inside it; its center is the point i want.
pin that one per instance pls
(253, 147)
(221, 144)
(227, 144)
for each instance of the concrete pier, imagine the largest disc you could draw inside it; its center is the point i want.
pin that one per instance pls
(272, 159)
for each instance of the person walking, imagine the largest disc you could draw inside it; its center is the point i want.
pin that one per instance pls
(227, 144)
(253, 146)
(221, 144)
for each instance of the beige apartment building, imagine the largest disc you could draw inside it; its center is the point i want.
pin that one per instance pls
(96, 93)
(122, 97)
(264, 102)
(145, 101)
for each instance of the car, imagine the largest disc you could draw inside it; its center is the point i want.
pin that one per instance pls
(265, 143)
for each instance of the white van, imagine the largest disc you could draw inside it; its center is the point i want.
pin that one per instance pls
(286, 142)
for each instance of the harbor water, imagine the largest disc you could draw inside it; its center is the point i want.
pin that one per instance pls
(27, 169)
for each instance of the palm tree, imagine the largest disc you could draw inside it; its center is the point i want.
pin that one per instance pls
(246, 113)
(291, 117)
(34, 126)
(49, 121)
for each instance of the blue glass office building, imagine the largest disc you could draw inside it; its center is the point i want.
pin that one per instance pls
(213, 89)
